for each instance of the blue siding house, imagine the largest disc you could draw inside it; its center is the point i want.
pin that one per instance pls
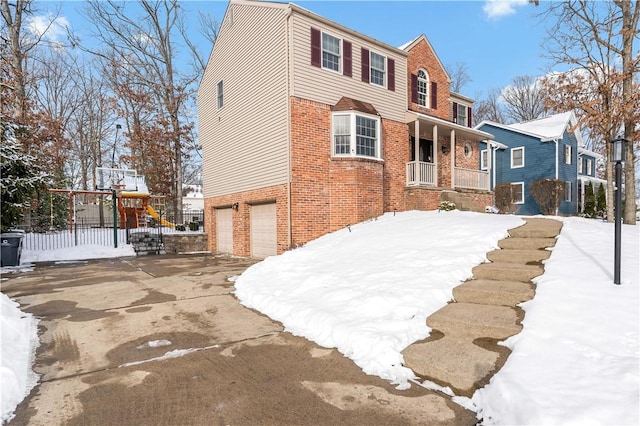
(523, 153)
(587, 166)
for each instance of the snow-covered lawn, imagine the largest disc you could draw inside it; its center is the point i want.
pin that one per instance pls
(367, 291)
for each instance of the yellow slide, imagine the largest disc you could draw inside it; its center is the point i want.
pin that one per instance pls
(156, 216)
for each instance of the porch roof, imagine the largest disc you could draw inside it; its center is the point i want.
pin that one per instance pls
(412, 116)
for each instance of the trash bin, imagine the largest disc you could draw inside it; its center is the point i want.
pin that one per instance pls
(11, 248)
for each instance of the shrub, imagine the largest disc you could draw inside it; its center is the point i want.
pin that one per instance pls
(589, 201)
(601, 201)
(548, 193)
(446, 206)
(503, 194)
(194, 226)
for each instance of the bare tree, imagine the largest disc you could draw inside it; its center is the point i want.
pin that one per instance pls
(490, 108)
(523, 99)
(459, 74)
(142, 40)
(596, 37)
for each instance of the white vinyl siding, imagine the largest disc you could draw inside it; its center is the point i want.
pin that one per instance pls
(316, 84)
(517, 157)
(224, 230)
(264, 235)
(246, 144)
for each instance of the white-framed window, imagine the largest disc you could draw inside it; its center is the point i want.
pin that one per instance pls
(580, 161)
(589, 166)
(568, 196)
(517, 192)
(462, 115)
(517, 157)
(331, 58)
(484, 160)
(423, 88)
(378, 69)
(567, 154)
(356, 135)
(220, 95)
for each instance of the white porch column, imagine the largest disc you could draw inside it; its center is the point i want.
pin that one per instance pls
(434, 137)
(452, 150)
(489, 163)
(416, 143)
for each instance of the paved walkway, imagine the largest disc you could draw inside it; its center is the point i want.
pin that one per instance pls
(462, 351)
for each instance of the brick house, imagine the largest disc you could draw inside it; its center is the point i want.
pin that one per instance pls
(307, 126)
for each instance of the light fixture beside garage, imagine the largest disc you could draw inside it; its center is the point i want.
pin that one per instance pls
(235, 206)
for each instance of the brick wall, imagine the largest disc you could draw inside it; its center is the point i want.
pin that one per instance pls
(242, 219)
(422, 56)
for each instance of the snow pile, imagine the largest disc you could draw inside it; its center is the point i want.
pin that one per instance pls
(368, 290)
(19, 336)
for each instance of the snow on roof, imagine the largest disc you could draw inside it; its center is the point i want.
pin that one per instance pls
(548, 128)
(409, 43)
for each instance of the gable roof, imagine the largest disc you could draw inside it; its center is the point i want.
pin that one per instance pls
(546, 129)
(411, 44)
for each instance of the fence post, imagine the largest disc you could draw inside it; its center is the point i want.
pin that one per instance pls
(114, 205)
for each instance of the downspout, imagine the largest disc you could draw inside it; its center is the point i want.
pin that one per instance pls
(557, 165)
(289, 83)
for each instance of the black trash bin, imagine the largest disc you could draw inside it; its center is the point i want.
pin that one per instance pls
(11, 248)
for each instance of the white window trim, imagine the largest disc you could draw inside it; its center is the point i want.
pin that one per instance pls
(521, 148)
(385, 70)
(568, 153)
(352, 135)
(340, 56)
(220, 94)
(570, 192)
(522, 186)
(580, 161)
(464, 108)
(484, 159)
(426, 88)
(589, 166)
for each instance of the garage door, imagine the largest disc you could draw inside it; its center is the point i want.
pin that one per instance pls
(224, 230)
(263, 230)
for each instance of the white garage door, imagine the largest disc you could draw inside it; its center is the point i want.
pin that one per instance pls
(224, 230)
(263, 230)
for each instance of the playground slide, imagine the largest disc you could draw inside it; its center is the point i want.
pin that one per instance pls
(156, 216)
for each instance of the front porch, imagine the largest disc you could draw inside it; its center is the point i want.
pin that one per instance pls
(420, 173)
(445, 154)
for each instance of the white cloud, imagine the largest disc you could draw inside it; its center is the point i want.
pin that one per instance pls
(498, 8)
(51, 28)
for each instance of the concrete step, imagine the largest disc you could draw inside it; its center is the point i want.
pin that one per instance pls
(459, 364)
(526, 243)
(491, 292)
(506, 271)
(472, 321)
(530, 232)
(523, 257)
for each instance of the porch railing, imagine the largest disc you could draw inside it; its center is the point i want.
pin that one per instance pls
(471, 179)
(421, 173)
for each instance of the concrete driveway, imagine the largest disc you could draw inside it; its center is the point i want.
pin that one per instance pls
(161, 340)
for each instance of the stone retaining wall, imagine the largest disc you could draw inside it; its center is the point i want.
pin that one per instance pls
(185, 242)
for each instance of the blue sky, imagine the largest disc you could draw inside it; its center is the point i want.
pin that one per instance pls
(497, 39)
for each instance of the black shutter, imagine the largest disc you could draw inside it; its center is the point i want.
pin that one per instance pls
(469, 121)
(391, 79)
(364, 59)
(347, 61)
(434, 95)
(454, 115)
(316, 50)
(414, 88)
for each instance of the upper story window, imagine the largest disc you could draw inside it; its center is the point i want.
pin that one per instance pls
(461, 114)
(330, 52)
(423, 88)
(580, 161)
(589, 166)
(378, 69)
(517, 157)
(567, 154)
(220, 95)
(356, 135)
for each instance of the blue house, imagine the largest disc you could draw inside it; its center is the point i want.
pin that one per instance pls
(587, 165)
(523, 153)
